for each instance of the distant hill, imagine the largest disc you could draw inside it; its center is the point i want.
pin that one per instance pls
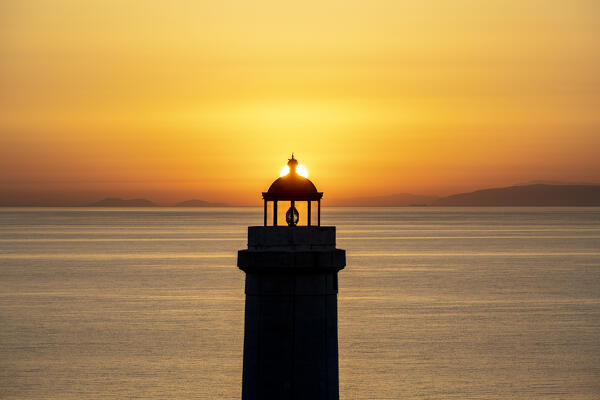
(394, 200)
(528, 195)
(199, 203)
(116, 202)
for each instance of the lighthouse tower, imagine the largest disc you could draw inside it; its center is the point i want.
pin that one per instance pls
(290, 331)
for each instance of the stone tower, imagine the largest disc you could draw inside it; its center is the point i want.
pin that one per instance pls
(290, 331)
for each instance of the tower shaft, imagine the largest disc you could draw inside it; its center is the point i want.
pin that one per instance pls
(290, 333)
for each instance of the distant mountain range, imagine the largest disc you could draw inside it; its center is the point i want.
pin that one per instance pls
(527, 195)
(394, 200)
(538, 194)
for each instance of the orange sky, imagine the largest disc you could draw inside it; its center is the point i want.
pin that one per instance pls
(172, 100)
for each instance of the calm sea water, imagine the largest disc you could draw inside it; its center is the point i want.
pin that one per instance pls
(449, 303)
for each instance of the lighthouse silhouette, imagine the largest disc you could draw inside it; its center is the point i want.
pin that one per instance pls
(290, 330)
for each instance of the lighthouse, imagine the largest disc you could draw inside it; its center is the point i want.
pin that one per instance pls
(290, 324)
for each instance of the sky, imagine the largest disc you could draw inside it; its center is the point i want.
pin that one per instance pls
(173, 100)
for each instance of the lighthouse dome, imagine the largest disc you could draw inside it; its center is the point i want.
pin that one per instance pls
(292, 186)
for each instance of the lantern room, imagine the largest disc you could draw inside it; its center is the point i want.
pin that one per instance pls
(294, 191)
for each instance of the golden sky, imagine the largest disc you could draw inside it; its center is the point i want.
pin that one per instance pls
(172, 100)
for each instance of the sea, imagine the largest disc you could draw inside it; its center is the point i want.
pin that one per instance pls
(434, 303)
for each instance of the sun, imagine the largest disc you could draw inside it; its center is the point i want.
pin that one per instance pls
(300, 170)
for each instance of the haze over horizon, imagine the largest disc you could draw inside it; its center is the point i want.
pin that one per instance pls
(178, 101)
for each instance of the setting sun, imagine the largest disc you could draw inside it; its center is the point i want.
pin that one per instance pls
(300, 169)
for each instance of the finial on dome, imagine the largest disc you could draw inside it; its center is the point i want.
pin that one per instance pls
(292, 163)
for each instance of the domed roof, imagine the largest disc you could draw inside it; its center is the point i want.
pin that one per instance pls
(292, 186)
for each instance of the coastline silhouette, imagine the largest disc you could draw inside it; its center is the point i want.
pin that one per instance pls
(532, 195)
